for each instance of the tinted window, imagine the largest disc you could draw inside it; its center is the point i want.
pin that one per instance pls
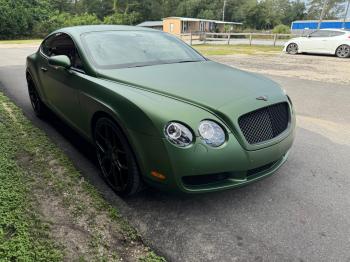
(336, 33)
(321, 33)
(62, 44)
(46, 46)
(118, 49)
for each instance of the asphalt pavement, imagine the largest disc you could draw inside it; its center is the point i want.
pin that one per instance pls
(302, 213)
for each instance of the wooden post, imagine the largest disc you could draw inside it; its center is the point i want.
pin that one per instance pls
(250, 39)
(205, 38)
(190, 38)
(274, 39)
(228, 39)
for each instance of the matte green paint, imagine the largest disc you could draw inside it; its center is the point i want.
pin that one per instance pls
(143, 100)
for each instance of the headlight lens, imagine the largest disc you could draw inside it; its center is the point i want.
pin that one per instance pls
(178, 134)
(211, 133)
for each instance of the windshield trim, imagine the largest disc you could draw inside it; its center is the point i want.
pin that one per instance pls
(134, 65)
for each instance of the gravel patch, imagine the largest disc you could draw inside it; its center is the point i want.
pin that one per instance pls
(310, 67)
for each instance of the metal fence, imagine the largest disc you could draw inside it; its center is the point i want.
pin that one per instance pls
(236, 38)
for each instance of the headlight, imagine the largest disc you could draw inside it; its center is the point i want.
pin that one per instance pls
(178, 134)
(211, 133)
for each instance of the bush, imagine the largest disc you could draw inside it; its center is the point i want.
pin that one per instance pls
(59, 20)
(281, 29)
(122, 19)
(18, 17)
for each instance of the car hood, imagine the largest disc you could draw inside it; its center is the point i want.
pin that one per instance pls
(207, 84)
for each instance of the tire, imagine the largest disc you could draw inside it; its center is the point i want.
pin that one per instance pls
(343, 51)
(292, 49)
(39, 107)
(115, 157)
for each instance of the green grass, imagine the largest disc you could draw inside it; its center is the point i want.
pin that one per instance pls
(152, 257)
(26, 41)
(209, 50)
(23, 237)
(32, 168)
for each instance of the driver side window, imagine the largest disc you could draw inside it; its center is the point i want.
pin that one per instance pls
(62, 44)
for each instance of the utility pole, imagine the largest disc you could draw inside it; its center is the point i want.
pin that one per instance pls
(346, 13)
(322, 13)
(223, 11)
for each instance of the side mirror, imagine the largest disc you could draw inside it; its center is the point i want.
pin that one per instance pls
(60, 61)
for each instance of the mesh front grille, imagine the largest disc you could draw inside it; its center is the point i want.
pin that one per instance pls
(265, 123)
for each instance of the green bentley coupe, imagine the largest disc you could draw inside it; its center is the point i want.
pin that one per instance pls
(158, 112)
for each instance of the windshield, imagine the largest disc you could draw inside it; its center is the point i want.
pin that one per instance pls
(120, 49)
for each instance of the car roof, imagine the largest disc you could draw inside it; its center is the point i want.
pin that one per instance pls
(79, 30)
(335, 29)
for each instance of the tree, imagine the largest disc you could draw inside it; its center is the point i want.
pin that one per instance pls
(261, 15)
(122, 19)
(334, 9)
(18, 17)
(59, 20)
(61, 5)
(24, 18)
(100, 8)
(296, 11)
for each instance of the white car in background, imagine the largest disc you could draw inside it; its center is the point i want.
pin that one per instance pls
(323, 41)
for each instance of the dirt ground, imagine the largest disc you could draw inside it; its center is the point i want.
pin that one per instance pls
(310, 67)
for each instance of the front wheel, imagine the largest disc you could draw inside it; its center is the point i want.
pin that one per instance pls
(343, 51)
(39, 107)
(116, 159)
(292, 49)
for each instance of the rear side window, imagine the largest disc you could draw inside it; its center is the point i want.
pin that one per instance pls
(321, 33)
(62, 44)
(336, 33)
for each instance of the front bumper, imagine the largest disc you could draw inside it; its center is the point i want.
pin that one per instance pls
(230, 165)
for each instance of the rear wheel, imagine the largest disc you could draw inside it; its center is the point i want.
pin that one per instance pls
(39, 107)
(116, 159)
(292, 49)
(343, 51)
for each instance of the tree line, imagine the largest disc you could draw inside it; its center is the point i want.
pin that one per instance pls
(36, 18)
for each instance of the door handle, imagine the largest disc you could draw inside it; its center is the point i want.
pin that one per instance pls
(43, 69)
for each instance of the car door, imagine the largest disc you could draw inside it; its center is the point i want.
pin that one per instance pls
(316, 41)
(334, 41)
(59, 85)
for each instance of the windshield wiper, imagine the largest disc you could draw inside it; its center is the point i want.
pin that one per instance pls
(188, 61)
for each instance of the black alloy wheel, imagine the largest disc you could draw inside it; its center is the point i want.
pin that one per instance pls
(115, 157)
(39, 107)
